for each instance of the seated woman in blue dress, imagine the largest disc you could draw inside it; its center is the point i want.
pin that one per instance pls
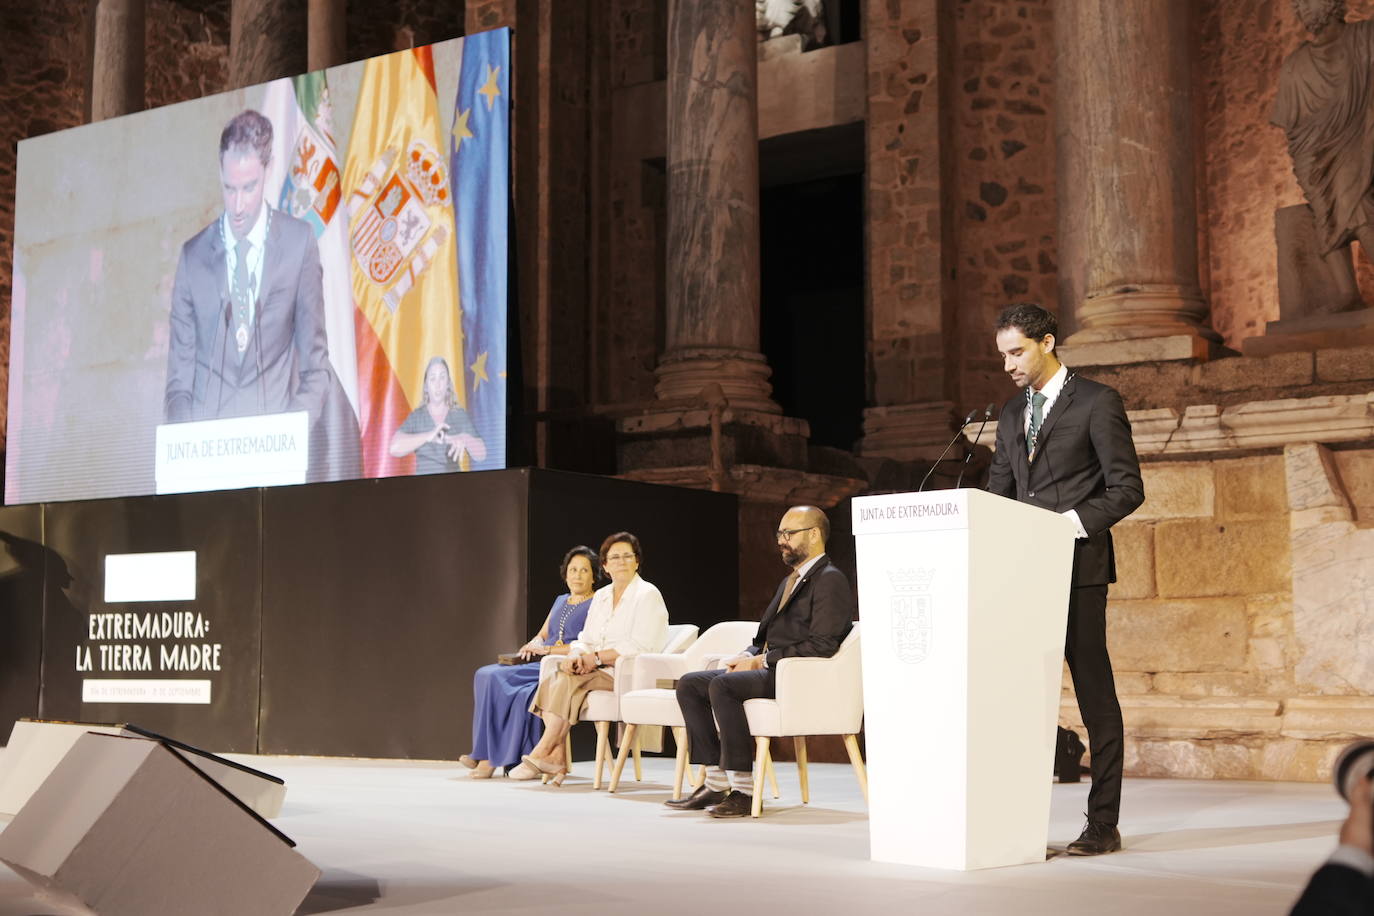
(503, 729)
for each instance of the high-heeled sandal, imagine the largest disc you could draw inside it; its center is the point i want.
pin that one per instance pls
(523, 771)
(468, 761)
(544, 766)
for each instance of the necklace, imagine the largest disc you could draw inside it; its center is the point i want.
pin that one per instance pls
(568, 607)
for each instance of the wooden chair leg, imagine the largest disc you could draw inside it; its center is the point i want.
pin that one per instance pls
(700, 779)
(772, 775)
(680, 764)
(760, 761)
(639, 767)
(620, 758)
(603, 738)
(799, 743)
(851, 744)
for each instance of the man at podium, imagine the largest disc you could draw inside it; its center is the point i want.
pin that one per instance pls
(1064, 444)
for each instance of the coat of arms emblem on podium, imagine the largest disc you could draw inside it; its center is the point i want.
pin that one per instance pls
(912, 623)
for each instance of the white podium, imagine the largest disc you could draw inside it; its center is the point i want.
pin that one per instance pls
(264, 451)
(964, 598)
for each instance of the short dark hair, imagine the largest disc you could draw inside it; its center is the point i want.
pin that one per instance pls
(818, 518)
(247, 132)
(622, 537)
(581, 550)
(1028, 318)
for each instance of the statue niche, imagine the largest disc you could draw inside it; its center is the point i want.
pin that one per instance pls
(806, 18)
(1325, 105)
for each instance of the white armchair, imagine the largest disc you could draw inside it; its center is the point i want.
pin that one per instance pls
(647, 704)
(815, 696)
(602, 707)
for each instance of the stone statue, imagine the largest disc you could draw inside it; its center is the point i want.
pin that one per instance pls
(792, 17)
(1325, 104)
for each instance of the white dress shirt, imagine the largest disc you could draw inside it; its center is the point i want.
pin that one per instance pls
(257, 237)
(639, 623)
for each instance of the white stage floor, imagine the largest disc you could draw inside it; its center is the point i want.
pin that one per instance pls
(410, 838)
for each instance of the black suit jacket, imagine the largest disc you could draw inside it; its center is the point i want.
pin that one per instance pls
(1336, 890)
(286, 365)
(1085, 461)
(816, 620)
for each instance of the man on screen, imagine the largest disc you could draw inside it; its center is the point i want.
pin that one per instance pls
(1064, 444)
(247, 320)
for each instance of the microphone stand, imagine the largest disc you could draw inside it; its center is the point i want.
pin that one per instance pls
(959, 432)
(223, 349)
(987, 415)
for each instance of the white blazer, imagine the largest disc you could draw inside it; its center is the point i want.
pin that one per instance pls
(638, 624)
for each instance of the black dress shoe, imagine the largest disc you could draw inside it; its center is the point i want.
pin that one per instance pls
(736, 804)
(1068, 756)
(701, 798)
(1097, 838)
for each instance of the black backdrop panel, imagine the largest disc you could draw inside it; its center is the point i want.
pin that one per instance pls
(25, 564)
(689, 539)
(380, 598)
(222, 529)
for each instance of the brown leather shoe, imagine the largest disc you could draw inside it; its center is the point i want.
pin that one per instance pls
(1098, 837)
(736, 804)
(701, 798)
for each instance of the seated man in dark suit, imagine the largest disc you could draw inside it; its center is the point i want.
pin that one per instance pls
(1344, 885)
(810, 615)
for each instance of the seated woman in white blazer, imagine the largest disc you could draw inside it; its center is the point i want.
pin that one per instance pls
(627, 617)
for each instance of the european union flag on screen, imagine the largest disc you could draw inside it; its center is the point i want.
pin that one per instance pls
(479, 154)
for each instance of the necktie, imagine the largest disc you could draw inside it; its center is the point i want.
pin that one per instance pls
(241, 295)
(786, 597)
(787, 590)
(1037, 416)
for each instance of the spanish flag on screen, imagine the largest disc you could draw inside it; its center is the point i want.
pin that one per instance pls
(400, 215)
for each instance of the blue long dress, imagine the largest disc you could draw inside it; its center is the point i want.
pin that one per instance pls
(503, 729)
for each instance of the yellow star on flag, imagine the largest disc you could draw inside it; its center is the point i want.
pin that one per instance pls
(490, 89)
(460, 129)
(479, 371)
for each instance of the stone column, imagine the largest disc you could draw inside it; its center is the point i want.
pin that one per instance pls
(117, 59)
(712, 326)
(912, 353)
(327, 44)
(1126, 178)
(267, 40)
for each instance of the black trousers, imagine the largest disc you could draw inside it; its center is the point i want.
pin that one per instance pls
(711, 697)
(1085, 648)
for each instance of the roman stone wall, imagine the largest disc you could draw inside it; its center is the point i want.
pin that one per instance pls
(1003, 122)
(1238, 624)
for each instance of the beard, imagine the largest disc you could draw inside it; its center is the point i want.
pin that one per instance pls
(791, 556)
(1317, 19)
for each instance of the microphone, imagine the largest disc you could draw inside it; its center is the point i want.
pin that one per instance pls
(223, 349)
(257, 351)
(959, 432)
(987, 415)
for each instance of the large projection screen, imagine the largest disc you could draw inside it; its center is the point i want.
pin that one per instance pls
(360, 331)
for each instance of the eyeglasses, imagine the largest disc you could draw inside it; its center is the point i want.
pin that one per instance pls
(785, 534)
(618, 557)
